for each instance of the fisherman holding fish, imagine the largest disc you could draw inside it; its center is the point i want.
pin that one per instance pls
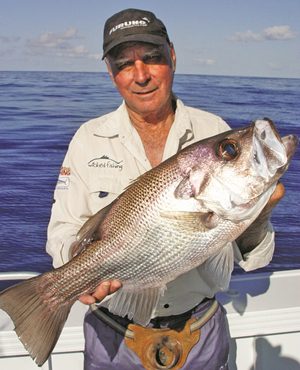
(151, 125)
(176, 212)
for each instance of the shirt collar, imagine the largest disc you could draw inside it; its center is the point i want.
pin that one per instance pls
(182, 122)
(118, 123)
(181, 132)
(112, 124)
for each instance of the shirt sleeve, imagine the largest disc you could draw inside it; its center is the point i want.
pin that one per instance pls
(260, 256)
(69, 210)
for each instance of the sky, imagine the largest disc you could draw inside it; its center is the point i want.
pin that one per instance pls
(216, 37)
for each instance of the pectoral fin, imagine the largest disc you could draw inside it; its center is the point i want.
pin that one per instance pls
(192, 185)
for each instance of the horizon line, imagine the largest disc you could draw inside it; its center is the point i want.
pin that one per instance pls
(177, 73)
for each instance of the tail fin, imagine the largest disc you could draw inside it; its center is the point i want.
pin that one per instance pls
(38, 314)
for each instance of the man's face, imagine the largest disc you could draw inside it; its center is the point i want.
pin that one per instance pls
(143, 74)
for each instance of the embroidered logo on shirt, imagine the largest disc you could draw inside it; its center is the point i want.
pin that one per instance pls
(65, 171)
(106, 162)
(63, 181)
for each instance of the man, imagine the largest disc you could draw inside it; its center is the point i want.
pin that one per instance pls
(107, 153)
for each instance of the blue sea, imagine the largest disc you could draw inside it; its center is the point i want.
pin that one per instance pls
(40, 112)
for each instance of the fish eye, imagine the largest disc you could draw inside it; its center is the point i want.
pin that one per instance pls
(228, 149)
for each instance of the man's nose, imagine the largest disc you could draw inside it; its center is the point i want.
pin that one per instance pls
(141, 73)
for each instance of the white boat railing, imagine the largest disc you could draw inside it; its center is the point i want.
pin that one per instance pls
(23, 275)
(18, 275)
(14, 356)
(263, 311)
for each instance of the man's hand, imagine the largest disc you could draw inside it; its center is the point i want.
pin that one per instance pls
(277, 195)
(257, 231)
(103, 289)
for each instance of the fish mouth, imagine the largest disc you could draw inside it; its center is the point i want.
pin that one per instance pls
(271, 153)
(290, 143)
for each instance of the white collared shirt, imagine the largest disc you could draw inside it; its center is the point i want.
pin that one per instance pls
(104, 156)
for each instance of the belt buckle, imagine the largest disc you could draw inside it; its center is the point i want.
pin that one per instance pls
(162, 348)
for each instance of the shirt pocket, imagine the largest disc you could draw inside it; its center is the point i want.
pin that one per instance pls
(104, 190)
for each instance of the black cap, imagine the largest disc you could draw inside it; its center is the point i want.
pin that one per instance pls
(133, 25)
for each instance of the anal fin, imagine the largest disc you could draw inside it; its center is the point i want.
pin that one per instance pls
(138, 305)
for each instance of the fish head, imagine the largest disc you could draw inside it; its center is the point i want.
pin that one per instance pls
(233, 174)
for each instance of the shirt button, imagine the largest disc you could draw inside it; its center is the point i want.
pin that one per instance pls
(166, 305)
(103, 194)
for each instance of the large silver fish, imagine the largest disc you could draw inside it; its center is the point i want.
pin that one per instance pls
(167, 222)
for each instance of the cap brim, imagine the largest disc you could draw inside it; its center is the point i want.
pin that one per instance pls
(151, 39)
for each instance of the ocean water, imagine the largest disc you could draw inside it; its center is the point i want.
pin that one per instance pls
(40, 111)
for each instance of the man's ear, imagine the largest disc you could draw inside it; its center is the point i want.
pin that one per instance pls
(173, 56)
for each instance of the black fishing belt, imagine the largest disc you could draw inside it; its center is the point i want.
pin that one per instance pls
(167, 343)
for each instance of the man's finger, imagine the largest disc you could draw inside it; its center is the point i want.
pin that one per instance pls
(87, 299)
(105, 288)
(114, 286)
(278, 193)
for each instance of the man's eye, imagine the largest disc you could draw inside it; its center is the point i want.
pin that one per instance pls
(123, 65)
(153, 59)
